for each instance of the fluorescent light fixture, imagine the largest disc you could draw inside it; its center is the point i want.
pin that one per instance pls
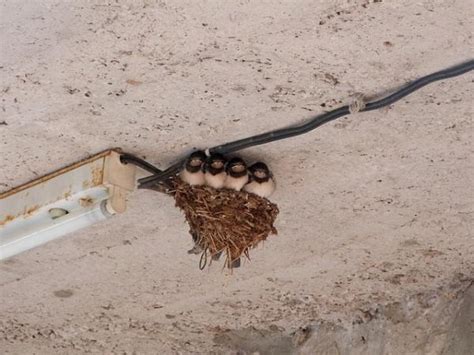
(63, 202)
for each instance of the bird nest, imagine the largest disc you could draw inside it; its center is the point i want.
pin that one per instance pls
(225, 221)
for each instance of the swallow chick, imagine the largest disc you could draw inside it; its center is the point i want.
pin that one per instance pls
(237, 175)
(214, 171)
(192, 170)
(261, 180)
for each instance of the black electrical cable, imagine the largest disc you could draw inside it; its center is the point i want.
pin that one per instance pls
(126, 158)
(161, 186)
(148, 181)
(316, 121)
(342, 111)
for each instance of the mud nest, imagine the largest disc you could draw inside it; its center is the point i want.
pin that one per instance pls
(224, 221)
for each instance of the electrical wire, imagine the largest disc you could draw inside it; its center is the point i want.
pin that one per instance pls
(126, 158)
(317, 121)
(161, 186)
(342, 111)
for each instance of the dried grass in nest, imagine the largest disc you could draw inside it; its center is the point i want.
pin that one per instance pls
(225, 220)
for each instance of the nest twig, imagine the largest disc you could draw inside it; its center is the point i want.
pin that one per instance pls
(225, 221)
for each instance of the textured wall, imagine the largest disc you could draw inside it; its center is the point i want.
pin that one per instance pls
(375, 208)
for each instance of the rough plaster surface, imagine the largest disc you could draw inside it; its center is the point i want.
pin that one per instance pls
(375, 251)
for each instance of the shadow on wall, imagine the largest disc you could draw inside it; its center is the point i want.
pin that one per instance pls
(461, 335)
(438, 322)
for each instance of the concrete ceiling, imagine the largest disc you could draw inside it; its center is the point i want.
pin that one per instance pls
(375, 208)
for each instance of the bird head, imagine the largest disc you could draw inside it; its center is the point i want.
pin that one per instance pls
(195, 161)
(260, 172)
(236, 167)
(215, 163)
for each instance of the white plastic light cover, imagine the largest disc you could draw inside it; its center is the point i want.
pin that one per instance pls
(63, 202)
